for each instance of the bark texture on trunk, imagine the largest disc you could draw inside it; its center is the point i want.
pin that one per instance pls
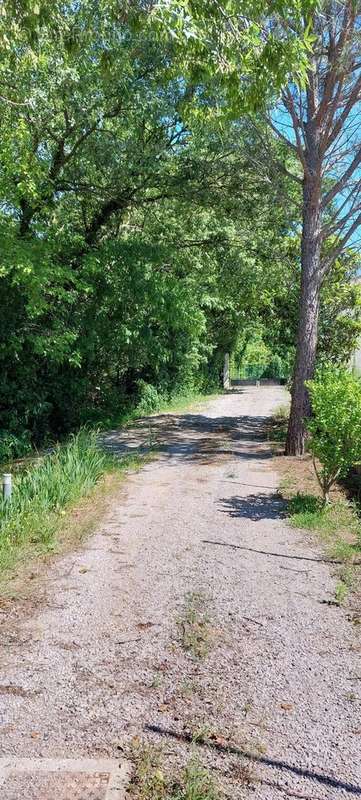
(311, 280)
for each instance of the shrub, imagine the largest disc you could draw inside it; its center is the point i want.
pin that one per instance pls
(335, 425)
(150, 398)
(13, 446)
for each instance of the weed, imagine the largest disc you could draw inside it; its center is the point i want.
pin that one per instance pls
(153, 781)
(247, 707)
(188, 689)
(156, 682)
(282, 412)
(201, 733)
(342, 550)
(196, 630)
(148, 782)
(347, 575)
(308, 511)
(351, 697)
(345, 584)
(196, 783)
(287, 485)
(341, 592)
(277, 426)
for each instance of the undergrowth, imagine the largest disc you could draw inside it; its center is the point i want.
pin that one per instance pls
(277, 426)
(45, 489)
(152, 781)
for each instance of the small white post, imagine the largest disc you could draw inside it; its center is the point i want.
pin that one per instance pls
(7, 485)
(226, 372)
(258, 383)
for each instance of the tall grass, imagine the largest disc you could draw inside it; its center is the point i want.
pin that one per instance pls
(44, 490)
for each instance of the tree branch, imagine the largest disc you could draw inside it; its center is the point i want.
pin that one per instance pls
(353, 98)
(291, 108)
(327, 264)
(280, 165)
(341, 183)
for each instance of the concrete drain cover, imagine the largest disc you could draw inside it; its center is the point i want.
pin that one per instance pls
(63, 778)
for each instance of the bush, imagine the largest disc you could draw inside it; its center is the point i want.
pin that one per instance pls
(335, 425)
(150, 399)
(13, 446)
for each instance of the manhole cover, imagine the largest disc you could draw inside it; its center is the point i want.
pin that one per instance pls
(63, 779)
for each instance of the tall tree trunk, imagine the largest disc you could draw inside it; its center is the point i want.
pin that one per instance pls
(311, 280)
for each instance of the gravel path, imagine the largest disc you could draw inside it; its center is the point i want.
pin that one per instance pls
(100, 661)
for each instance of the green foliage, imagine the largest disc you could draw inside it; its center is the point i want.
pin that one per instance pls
(340, 316)
(197, 784)
(12, 446)
(138, 244)
(335, 425)
(152, 780)
(149, 398)
(253, 359)
(233, 49)
(43, 490)
(158, 296)
(340, 309)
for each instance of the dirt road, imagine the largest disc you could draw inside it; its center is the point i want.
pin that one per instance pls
(102, 661)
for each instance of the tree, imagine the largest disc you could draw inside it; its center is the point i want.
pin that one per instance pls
(339, 327)
(134, 239)
(320, 126)
(309, 55)
(138, 242)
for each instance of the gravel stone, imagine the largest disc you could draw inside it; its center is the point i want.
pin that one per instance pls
(278, 697)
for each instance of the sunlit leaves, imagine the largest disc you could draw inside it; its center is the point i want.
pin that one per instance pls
(238, 46)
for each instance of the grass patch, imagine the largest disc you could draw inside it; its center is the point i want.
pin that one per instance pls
(341, 592)
(196, 784)
(45, 493)
(337, 523)
(151, 781)
(48, 488)
(195, 626)
(277, 426)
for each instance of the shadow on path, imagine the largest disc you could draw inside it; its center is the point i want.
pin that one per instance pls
(255, 507)
(325, 780)
(193, 437)
(268, 553)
